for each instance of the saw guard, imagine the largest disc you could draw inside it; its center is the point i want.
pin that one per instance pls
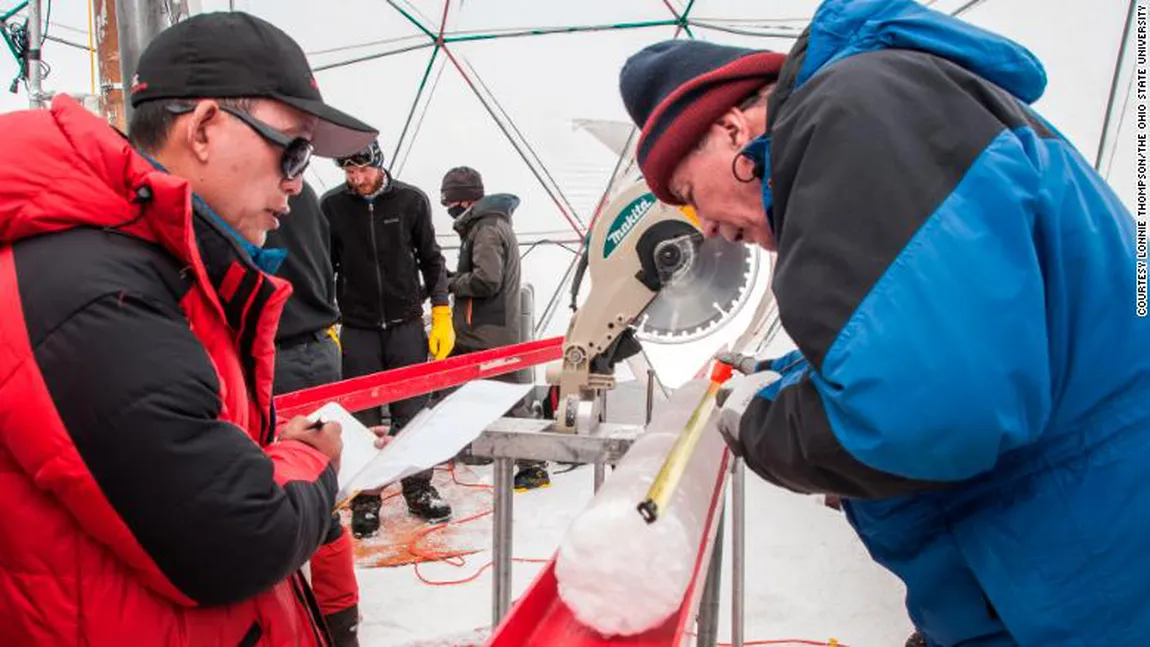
(622, 286)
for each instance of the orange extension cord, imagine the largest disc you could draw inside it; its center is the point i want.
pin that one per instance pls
(455, 558)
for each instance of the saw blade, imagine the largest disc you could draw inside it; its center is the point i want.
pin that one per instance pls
(703, 297)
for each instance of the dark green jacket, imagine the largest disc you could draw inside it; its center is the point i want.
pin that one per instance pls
(486, 283)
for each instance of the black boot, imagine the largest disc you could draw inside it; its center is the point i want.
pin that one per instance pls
(343, 627)
(425, 503)
(532, 477)
(365, 515)
(916, 640)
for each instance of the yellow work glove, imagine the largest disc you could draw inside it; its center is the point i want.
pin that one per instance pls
(331, 332)
(442, 337)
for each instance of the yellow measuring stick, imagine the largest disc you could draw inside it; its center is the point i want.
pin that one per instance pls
(663, 487)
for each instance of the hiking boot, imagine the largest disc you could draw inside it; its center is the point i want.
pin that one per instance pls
(365, 515)
(530, 478)
(344, 627)
(916, 640)
(426, 504)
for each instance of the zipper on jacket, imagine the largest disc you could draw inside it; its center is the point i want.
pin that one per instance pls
(375, 260)
(306, 599)
(252, 637)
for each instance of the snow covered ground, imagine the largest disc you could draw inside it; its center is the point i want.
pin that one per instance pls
(808, 576)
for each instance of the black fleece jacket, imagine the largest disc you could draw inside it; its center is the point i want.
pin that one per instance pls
(380, 248)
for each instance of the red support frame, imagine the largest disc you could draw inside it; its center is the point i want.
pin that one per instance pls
(359, 393)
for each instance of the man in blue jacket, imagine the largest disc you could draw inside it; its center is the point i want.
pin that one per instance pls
(972, 373)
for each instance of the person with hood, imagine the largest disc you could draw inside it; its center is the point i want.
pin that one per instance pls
(150, 496)
(486, 283)
(972, 376)
(382, 244)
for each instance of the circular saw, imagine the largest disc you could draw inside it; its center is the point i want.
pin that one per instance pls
(706, 294)
(653, 277)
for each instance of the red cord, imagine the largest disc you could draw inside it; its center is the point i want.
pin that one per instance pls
(482, 486)
(454, 558)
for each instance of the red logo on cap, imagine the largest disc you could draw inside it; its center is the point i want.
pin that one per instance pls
(137, 86)
(314, 84)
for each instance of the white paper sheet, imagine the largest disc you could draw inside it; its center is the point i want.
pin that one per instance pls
(358, 441)
(430, 438)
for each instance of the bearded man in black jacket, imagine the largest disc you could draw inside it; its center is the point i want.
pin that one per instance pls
(382, 245)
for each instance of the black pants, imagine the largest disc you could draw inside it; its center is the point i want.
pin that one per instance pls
(301, 363)
(367, 351)
(304, 363)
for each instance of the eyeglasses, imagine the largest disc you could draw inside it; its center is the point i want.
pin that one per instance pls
(297, 150)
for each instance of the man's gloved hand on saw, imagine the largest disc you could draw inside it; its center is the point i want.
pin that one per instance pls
(751, 377)
(734, 398)
(748, 364)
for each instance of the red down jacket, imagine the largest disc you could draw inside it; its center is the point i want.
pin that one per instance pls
(142, 499)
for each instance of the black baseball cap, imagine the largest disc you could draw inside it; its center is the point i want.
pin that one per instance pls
(227, 55)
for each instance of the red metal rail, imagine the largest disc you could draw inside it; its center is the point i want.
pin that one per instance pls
(359, 393)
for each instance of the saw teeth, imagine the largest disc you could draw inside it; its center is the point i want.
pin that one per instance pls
(660, 324)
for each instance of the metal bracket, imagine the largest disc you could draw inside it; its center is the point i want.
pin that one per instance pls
(531, 439)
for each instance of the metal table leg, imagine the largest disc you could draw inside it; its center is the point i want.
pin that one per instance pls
(738, 550)
(709, 605)
(650, 394)
(502, 540)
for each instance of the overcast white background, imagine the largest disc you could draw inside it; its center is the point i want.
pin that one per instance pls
(544, 83)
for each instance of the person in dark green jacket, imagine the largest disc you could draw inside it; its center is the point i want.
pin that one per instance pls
(486, 283)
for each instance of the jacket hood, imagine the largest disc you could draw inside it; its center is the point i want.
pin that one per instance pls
(498, 204)
(843, 28)
(63, 168)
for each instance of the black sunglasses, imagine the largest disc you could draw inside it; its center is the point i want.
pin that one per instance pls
(297, 150)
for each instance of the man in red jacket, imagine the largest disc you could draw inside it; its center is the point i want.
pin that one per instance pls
(146, 497)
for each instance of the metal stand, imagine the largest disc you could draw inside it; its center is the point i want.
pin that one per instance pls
(32, 57)
(738, 550)
(510, 438)
(1109, 126)
(600, 468)
(502, 538)
(138, 22)
(650, 394)
(709, 604)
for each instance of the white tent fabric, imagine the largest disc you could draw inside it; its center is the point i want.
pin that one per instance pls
(552, 98)
(516, 83)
